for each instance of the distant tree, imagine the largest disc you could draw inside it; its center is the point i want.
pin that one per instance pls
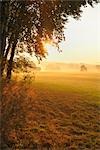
(83, 68)
(98, 67)
(30, 22)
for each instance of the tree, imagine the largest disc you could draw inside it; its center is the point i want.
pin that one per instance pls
(23, 64)
(83, 68)
(29, 23)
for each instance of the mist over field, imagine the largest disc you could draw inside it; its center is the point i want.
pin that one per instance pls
(50, 75)
(68, 67)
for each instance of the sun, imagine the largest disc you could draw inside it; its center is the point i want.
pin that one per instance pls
(49, 46)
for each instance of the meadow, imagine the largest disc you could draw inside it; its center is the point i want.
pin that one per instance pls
(56, 111)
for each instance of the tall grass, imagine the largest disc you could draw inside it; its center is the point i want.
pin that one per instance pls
(56, 112)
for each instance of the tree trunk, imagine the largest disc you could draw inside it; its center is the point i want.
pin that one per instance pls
(4, 9)
(2, 33)
(4, 5)
(4, 59)
(10, 62)
(3, 27)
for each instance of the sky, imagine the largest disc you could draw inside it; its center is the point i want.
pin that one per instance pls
(82, 44)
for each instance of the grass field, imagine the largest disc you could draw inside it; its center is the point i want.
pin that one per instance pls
(57, 111)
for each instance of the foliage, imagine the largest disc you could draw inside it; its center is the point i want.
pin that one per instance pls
(83, 68)
(31, 22)
(23, 64)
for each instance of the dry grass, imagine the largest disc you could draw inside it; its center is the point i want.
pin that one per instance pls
(57, 112)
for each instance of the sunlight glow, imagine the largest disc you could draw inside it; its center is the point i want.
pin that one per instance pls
(82, 39)
(48, 46)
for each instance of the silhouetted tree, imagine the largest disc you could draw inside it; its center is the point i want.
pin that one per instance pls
(30, 22)
(23, 64)
(83, 68)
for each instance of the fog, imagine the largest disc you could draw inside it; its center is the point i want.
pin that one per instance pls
(69, 67)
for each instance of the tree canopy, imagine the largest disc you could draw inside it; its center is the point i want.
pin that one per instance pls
(28, 23)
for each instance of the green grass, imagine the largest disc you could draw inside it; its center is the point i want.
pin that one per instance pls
(58, 111)
(82, 84)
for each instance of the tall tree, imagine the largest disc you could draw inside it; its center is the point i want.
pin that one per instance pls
(30, 22)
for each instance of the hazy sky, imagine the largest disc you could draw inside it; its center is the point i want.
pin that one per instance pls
(82, 39)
